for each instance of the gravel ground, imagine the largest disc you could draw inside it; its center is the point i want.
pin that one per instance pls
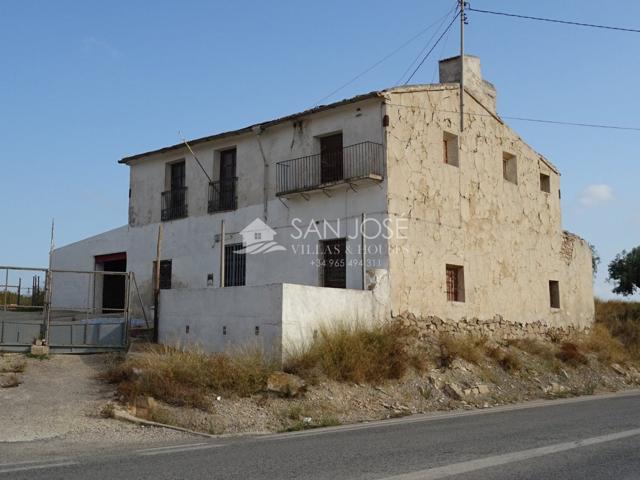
(60, 397)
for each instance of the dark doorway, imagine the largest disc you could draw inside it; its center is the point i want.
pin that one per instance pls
(227, 179)
(331, 158)
(113, 286)
(177, 175)
(334, 263)
(178, 196)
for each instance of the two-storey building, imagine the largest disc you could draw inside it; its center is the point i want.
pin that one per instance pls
(369, 207)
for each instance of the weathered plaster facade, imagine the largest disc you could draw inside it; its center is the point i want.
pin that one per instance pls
(506, 234)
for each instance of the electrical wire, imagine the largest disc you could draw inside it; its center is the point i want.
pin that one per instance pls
(555, 20)
(428, 42)
(432, 48)
(528, 119)
(383, 59)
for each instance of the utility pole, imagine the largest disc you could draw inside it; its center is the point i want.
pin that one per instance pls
(463, 20)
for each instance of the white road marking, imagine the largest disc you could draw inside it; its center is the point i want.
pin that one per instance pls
(7, 468)
(169, 447)
(473, 465)
(176, 449)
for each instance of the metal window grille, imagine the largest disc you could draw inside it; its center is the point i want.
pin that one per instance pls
(174, 204)
(223, 195)
(235, 266)
(165, 274)
(455, 283)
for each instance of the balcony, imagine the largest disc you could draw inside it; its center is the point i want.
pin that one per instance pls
(223, 195)
(174, 204)
(352, 164)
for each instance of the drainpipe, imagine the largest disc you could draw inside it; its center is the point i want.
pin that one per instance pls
(258, 129)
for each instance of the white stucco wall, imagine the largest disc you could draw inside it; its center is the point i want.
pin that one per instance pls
(286, 315)
(306, 309)
(207, 311)
(77, 291)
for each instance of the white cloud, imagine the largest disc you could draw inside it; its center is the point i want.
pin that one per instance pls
(596, 194)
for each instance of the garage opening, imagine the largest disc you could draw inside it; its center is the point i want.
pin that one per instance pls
(113, 286)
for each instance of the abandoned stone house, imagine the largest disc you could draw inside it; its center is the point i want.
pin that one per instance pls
(369, 207)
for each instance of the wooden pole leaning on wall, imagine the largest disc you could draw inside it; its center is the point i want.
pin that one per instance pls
(156, 287)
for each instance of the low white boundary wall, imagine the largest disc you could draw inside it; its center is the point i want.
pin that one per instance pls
(277, 317)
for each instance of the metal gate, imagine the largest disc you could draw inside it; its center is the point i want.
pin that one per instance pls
(67, 310)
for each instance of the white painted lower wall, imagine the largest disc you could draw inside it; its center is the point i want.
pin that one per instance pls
(277, 317)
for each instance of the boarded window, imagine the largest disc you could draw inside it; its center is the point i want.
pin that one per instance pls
(334, 263)
(554, 294)
(455, 283)
(165, 274)
(450, 149)
(509, 167)
(235, 266)
(545, 183)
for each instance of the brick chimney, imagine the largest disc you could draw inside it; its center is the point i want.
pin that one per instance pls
(484, 91)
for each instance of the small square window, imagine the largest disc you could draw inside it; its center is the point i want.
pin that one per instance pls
(455, 283)
(545, 183)
(257, 236)
(554, 294)
(450, 149)
(509, 167)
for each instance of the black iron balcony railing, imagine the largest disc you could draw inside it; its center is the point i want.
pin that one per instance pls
(174, 204)
(222, 195)
(359, 161)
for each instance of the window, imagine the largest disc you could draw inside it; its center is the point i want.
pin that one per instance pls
(450, 149)
(509, 167)
(554, 294)
(545, 183)
(235, 266)
(174, 200)
(455, 283)
(334, 263)
(165, 274)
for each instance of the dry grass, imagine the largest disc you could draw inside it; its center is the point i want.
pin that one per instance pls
(357, 354)
(608, 349)
(507, 359)
(622, 319)
(14, 367)
(190, 377)
(468, 347)
(571, 355)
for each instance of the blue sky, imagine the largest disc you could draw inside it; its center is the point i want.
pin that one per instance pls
(85, 83)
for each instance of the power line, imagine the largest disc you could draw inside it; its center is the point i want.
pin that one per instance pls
(386, 57)
(528, 119)
(426, 45)
(432, 48)
(555, 20)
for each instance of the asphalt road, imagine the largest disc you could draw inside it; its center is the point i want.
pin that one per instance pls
(592, 437)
